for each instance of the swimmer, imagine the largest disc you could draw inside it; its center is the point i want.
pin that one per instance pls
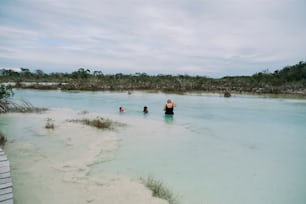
(121, 110)
(169, 106)
(145, 109)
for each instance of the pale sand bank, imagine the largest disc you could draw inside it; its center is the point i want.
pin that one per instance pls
(54, 166)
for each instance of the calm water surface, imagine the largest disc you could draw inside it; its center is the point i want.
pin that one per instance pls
(215, 150)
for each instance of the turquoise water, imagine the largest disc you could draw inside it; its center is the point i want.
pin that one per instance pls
(215, 150)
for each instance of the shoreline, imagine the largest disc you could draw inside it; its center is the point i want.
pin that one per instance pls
(292, 95)
(55, 165)
(286, 82)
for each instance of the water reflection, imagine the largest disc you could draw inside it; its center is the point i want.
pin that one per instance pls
(168, 118)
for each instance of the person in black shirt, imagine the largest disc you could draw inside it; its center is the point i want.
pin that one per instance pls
(169, 106)
(145, 109)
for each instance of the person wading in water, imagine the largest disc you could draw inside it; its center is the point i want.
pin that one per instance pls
(168, 108)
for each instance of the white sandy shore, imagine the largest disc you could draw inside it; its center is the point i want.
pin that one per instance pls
(54, 166)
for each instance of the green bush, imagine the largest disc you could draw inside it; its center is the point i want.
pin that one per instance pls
(159, 190)
(99, 122)
(2, 139)
(49, 124)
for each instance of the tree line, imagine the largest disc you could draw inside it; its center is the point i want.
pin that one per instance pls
(288, 80)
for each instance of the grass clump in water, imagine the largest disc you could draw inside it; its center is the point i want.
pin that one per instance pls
(2, 139)
(99, 122)
(159, 190)
(49, 124)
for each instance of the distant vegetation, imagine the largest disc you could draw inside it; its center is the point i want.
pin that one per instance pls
(289, 80)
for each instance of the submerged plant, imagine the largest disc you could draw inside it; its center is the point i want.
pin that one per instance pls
(84, 112)
(2, 139)
(159, 190)
(99, 122)
(49, 124)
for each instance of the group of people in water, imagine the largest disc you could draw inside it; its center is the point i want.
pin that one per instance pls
(168, 108)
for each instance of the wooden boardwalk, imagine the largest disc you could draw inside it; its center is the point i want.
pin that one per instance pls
(6, 185)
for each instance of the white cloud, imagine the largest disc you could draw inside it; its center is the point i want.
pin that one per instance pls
(205, 37)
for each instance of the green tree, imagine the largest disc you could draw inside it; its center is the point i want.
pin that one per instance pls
(5, 93)
(82, 73)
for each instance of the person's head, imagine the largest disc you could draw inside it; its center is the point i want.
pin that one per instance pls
(169, 101)
(145, 109)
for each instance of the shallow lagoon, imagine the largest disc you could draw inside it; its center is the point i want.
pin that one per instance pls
(215, 150)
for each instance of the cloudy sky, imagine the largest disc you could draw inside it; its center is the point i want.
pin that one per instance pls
(196, 37)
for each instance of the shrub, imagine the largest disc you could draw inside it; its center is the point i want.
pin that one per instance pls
(49, 124)
(160, 190)
(2, 139)
(5, 93)
(99, 122)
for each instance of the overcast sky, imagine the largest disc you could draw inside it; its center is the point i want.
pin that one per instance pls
(197, 37)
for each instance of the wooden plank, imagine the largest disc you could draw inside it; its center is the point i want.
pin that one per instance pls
(6, 196)
(4, 169)
(5, 185)
(3, 158)
(5, 175)
(10, 201)
(6, 190)
(4, 163)
(5, 180)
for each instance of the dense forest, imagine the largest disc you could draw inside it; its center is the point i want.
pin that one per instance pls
(288, 80)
